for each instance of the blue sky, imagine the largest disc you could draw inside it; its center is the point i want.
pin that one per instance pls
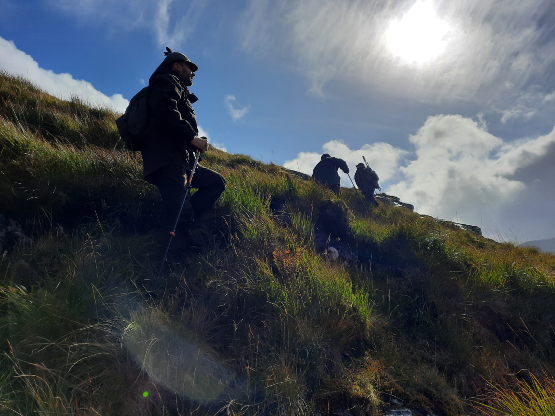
(452, 102)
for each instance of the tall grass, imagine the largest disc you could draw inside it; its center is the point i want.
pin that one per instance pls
(48, 178)
(531, 397)
(274, 325)
(73, 121)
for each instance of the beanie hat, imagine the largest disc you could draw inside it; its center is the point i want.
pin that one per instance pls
(324, 156)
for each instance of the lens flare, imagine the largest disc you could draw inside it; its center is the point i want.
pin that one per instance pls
(178, 359)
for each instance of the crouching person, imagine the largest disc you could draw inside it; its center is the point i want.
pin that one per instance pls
(169, 151)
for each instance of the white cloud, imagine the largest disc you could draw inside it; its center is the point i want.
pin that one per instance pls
(458, 171)
(517, 112)
(171, 22)
(463, 173)
(382, 157)
(524, 107)
(452, 169)
(175, 33)
(204, 133)
(304, 162)
(256, 27)
(481, 122)
(549, 97)
(236, 113)
(64, 86)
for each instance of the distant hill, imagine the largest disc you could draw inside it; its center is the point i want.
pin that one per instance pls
(547, 246)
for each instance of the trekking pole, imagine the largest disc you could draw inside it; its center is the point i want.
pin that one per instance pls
(172, 233)
(367, 165)
(356, 191)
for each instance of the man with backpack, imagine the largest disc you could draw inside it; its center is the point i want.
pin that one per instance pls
(325, 172)
(170, 143)
(367, 181)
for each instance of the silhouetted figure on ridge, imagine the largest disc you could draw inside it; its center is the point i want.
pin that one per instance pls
(325, 172)
(367, 181)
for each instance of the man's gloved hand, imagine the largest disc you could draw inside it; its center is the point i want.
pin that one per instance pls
(201, 143)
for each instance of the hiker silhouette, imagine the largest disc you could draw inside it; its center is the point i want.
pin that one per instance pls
(367, 181)
(325, 172)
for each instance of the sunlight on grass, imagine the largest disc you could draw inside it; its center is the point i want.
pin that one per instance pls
(531, 398)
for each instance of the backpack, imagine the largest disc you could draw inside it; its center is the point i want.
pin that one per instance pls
(373, 177)
(133, 124)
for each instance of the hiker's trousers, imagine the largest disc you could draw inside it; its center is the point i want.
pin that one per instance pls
(171, 180)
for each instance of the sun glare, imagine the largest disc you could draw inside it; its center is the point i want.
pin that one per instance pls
(419, 35)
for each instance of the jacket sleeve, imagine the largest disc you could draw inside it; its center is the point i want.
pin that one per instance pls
(341, 164)
(164, 96)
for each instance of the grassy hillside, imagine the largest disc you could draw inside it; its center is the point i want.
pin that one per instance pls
(413, 314)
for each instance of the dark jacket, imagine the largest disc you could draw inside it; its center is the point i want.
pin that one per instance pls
(366, 178)
(326, 170)
(173, 125)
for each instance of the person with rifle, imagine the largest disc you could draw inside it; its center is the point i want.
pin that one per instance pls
(325, 172)
(172, 139)
(367, 181)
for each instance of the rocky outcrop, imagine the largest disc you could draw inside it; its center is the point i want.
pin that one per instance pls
(393, 201)
(332, 248)
(470, 228)
(457, 225)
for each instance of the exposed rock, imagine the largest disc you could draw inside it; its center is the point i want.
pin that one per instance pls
(345, 252)
(331, 253)
(332, 248)
(393, 200)
(470, 228)
(456, 225)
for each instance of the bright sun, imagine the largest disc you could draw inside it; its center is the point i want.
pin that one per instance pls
(419, 35)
